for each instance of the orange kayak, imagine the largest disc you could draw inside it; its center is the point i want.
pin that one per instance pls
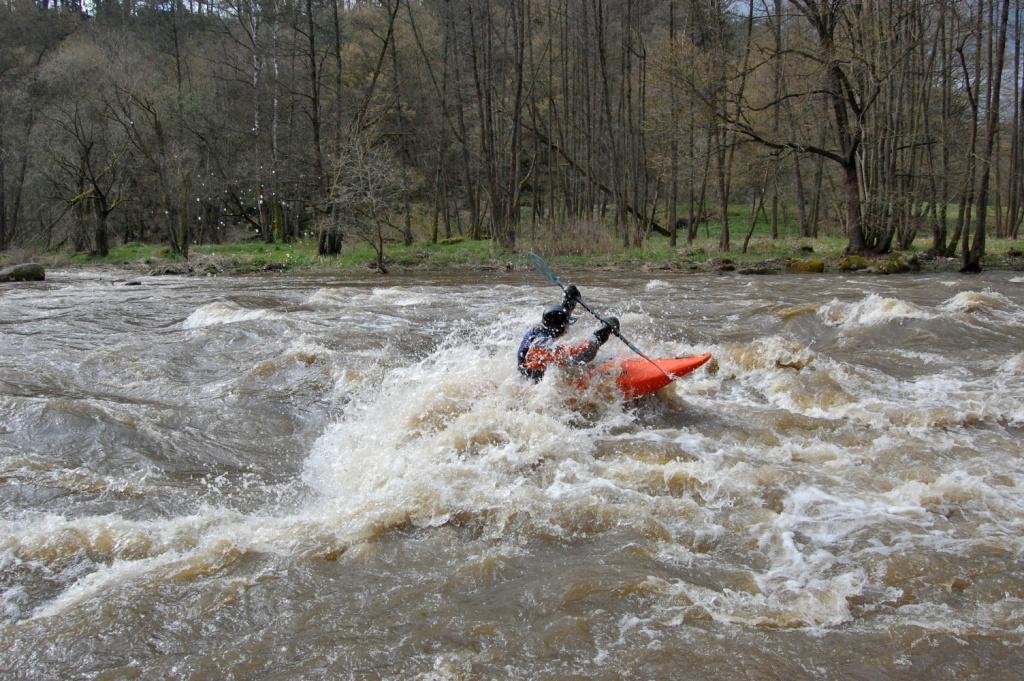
(636, 377)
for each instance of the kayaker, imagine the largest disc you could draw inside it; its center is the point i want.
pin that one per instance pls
(539, 348)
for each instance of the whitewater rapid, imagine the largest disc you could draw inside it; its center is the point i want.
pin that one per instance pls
(233, 470)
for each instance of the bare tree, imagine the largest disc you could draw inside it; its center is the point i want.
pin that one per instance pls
(91, 160)
(606, 113)
(366, 193)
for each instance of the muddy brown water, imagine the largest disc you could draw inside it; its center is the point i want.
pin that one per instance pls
(311, 478)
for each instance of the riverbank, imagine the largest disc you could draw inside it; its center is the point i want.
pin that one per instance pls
(702, 256)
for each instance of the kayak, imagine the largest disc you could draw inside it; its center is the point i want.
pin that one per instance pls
(636, 377)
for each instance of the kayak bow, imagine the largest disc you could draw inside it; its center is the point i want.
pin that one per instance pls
(638, 377)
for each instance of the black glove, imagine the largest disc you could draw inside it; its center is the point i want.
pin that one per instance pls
(572, 296)
(607, 329)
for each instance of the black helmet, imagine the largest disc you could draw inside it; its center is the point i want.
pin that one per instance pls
(556, 318)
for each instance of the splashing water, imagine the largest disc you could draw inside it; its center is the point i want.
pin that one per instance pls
(300, 478)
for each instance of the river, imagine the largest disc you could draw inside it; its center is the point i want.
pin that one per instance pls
(302, 477)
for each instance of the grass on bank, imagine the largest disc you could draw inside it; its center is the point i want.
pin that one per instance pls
(585, 245)
(300, 255)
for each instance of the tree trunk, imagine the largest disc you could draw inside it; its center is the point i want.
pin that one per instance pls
(314, 100)
(673, 193)
(723, 191)
(853, 215)
(3, 188)
(972, 260)
(404, 155)
(100, 242)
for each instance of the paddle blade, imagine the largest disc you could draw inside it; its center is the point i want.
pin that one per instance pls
(542, 267)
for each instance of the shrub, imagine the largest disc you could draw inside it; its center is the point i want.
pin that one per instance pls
(583, 237)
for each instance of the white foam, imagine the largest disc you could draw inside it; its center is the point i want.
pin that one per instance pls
(817, 603)
(1014, 366)
(95, 583)
(957, 488)
(451, 436)
(223, 312)
(335, 297)
(14, 600)
(656, 284)
(130, 550)
(403, 297)
(933, 359)
(972, 301)
(871, 311)
(396, 296)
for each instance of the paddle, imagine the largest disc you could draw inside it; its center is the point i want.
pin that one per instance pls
(542, 267)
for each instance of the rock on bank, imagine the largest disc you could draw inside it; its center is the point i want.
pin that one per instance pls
(25, 272)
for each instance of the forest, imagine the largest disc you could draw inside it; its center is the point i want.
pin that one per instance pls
(581, 124)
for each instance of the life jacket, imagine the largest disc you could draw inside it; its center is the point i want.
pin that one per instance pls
(540, 349)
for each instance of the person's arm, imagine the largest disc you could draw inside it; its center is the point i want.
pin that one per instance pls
(543, 354)
(582, 353)
(572, 296)
(586, 351)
